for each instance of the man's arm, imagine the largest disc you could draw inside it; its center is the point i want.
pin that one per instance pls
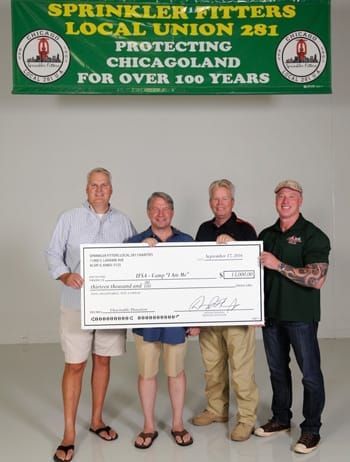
(312, 275)
(56, 251)
(56, 255)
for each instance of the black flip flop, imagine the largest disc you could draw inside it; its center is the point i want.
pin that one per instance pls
(144, 436)
(65, 449)
(106, 429)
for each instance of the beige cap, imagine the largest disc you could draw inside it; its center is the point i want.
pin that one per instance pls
(291, 184)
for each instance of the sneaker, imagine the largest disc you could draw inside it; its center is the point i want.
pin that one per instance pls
(271, 428)
(242, 432)
(206, 418)
(307, 443)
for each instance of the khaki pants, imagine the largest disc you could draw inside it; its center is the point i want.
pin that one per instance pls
(234, 347)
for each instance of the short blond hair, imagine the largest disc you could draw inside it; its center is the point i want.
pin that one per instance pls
(223, 183)
(99, 170)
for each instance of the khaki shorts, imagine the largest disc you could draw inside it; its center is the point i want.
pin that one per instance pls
(148, 354)
(77, 343)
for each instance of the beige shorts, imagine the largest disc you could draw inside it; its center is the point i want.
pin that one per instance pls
(148, 354)
(77, 343)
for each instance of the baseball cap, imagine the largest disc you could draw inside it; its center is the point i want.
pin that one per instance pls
(291, 184)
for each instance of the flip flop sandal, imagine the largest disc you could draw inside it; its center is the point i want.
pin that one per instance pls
(65, 449)
(144, 436)
(106, 429)
(181, 435)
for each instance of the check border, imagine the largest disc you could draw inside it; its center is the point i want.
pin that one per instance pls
(122, 321)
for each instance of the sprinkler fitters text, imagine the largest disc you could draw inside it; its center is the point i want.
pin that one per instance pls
(174, 45)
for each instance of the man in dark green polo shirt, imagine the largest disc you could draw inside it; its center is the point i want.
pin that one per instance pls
(295, 258)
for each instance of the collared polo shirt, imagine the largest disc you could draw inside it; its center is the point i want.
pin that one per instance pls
(171, 335)
(299, 246)
(238, 229)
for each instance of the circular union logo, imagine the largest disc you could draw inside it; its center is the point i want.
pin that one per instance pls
(301, 57)
(43, 56)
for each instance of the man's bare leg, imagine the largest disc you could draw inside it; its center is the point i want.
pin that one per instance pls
(177, 390)
(147, 392)
(71, 390)
(99, 383)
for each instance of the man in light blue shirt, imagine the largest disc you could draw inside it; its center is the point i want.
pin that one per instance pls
(95, 222)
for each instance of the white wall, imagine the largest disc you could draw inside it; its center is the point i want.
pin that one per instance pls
(177, 144)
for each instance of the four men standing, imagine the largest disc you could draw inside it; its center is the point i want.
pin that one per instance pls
(296, 261)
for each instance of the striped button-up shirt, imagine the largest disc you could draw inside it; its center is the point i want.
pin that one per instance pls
(82, 226)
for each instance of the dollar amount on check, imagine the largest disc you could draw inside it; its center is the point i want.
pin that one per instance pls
(187, 284)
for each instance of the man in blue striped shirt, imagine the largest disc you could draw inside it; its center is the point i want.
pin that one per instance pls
(95, 222)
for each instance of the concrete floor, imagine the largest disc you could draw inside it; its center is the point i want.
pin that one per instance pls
(31, 411)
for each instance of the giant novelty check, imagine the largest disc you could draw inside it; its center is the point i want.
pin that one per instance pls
(174, 284)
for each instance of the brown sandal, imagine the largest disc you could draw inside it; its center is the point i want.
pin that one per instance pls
(106, 429)
(65, 449)
(144, 436)
(181, 434)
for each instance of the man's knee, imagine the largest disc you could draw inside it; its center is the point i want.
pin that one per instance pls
(75, 368)
(101, 360)
(146, 378)
(176, 375)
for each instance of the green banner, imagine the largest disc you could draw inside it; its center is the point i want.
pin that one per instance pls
(171, 47)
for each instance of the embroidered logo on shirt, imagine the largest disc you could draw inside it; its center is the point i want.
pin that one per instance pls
(294, 240)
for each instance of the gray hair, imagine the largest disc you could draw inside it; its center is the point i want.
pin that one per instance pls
(222, 184)
(99, 170)
(160, 195)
